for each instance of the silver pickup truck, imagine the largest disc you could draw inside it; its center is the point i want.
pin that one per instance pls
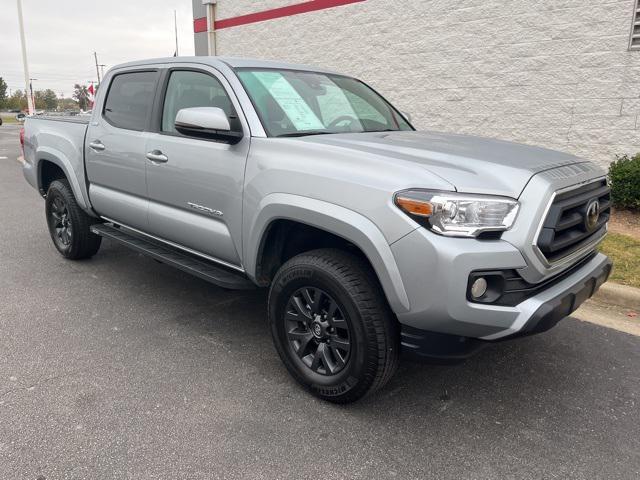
(373, 238)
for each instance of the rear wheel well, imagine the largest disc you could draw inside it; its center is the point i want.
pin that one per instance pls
(48, 172)
(284, 239)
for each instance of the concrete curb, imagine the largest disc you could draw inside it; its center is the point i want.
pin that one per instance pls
(608, 316)
(620, 295)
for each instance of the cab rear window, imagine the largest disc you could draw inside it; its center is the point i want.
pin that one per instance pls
(129, 100)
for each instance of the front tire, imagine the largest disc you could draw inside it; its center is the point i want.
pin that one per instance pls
(69, 226)
(332, 326)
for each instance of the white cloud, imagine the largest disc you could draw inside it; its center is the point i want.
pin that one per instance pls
(62, 36)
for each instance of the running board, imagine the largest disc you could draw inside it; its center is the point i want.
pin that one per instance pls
(201, 268)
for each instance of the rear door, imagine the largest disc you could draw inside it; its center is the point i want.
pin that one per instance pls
(195, 191)
(115, 148)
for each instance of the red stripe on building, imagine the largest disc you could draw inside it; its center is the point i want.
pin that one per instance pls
(287, 11)
(200, 25)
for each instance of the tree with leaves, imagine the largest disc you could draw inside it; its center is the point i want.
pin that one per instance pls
(50, 99)
(45, 99)
(3, 93)
(67, 104)
(17, 101)
(81, 94)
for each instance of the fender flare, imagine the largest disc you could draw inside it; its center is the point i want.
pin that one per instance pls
(58, 158)
(334, 219)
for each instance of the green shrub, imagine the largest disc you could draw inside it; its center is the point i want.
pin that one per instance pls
(624, 174)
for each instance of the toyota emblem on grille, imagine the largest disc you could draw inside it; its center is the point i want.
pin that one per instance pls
(593, 214)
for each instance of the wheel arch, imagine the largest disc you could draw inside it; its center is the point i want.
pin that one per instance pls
(337, 223)
(48, 161)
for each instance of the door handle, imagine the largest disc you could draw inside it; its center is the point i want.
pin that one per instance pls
(97, 145)
(157, 156)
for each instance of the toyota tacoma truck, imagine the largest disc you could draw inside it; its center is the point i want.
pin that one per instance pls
(374, 239)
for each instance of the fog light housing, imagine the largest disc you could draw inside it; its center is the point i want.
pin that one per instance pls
(486, 286)
(479, 287)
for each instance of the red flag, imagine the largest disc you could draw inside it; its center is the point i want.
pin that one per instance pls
(90, 89)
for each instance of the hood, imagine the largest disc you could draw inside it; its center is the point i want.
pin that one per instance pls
(470, 164)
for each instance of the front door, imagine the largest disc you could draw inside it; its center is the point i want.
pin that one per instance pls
(195, 185)
(115, 149)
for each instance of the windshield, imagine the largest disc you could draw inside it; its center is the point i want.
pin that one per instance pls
(295, 103)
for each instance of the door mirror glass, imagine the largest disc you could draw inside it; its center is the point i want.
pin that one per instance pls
(206, 122)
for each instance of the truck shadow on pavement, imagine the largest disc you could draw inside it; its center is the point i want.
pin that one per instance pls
(553, 382)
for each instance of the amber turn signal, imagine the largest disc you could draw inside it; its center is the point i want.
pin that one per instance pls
(412, 206)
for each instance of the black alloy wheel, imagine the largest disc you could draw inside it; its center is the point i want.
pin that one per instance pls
(60, 223)
(69, 225)
(318, 330)
(332, 326)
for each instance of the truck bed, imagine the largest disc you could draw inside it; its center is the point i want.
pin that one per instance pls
(82, 119)
(59, 140)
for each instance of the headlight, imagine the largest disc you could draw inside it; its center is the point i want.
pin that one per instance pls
(457, 214)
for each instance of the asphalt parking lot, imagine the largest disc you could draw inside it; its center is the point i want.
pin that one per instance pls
(120, 367)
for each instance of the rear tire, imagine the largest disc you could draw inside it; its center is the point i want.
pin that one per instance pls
(69, 226)
(332, 326)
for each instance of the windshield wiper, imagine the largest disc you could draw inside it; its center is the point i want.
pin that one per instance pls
(325, 132)
(304, 134)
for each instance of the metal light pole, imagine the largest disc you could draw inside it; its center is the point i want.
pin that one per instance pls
(24, 60)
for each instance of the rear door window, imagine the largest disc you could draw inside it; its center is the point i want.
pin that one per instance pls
(130, 99)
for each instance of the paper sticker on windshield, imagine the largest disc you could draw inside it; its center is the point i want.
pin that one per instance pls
(290, 101)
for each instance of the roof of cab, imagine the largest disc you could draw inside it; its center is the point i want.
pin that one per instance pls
(233, 62)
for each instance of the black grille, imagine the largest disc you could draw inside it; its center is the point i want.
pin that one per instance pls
(567, 227)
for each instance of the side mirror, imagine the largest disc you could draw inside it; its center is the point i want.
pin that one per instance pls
(206, 122)
(407, 116)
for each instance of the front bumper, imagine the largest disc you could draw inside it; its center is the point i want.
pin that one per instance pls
(436, 282)
(553, 308)
(539, 314)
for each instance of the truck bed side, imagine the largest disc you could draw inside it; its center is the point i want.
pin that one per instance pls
(58, 141)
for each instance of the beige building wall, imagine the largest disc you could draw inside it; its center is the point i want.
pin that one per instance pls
(557, 73)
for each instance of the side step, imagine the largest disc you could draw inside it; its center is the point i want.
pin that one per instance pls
(202, 268)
